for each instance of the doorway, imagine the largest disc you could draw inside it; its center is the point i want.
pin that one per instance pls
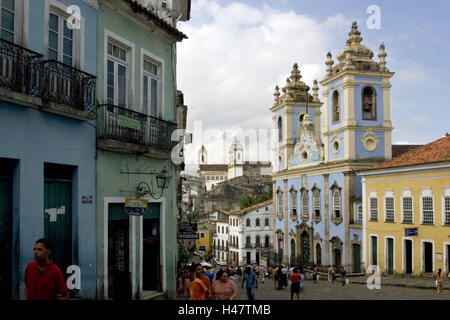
(390, 256)
(447, 262)
(119, 276)
(6, 172)
(305, 248)
(374, 250)
(58, 213)
(356, 258)
(248, 258)
(257, 258)
(337, 259)
(151, 268)
(428, 257)
(408, 257)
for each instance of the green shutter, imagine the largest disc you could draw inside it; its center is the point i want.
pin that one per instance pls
(374, 251)
(390, 261)
(356, 258)
(5, 236)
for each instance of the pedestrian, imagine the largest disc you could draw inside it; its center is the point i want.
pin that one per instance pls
(210, 275)
(197, 290)
(333, 274)
(275, 277)
(330, 271)
(231, 276)
(262, 271)
(251, 283)
(295, 284)
(269, 272)
(224, 288)
(439, 280)
(343, 274)
(239, 272)
(43, 279)
(315, 273)
(284, 276)
(199, 274)
(279, 276)
(302, 279)
(181, 288)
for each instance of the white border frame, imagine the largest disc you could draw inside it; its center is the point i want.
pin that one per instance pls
(161, 106)
(386, 253)
(404, 254)
(131, 62)
(422, 253)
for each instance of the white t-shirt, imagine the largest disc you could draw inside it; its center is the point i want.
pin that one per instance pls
(284, 271)
(261, 269)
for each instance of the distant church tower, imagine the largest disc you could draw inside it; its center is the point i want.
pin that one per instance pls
(356, 111)
(202, 156)
(236, 165)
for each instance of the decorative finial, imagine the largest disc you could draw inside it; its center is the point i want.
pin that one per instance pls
(277, 94)
(315, 90)
(329, 63)
(295, 73)
(382, 55)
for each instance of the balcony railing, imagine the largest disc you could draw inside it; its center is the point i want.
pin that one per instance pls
(67, 85)
(134, 127)
(20, 69)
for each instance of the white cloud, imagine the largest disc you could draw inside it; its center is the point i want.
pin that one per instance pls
(236, 54)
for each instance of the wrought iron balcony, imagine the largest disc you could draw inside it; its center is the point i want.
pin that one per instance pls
(129, 126)
(63, 84)
(20, 69)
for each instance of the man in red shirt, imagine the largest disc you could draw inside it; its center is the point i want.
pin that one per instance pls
(199, 274)
(43, 279)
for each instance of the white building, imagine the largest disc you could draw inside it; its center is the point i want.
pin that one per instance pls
(220, 241)
(251, 233)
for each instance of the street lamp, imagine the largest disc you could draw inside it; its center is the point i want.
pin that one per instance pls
(162, 182)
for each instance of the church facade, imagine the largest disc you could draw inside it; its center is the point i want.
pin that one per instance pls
(317, 211)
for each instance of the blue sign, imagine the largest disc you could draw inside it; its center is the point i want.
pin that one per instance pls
(410, 232)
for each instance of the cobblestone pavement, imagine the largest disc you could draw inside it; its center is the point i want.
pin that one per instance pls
(323, 290)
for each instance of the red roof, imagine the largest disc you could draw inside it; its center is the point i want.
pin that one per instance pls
(436, 151)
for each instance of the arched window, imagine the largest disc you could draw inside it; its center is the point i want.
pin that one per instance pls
(227, 230)
(280, 205)
(316, 203)
(369, 104)
(305, 203)
(336, 109)
(258, 241)
(266, 241)
(223, 230)
(247, 241)
(257, 222)
(293, 202)
(318, 254)
(247, 223)
(293, 253)
(266, 222)
(280, 129)
(336, 203)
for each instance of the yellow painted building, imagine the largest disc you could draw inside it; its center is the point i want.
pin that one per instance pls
(406, 211)
(204, 241)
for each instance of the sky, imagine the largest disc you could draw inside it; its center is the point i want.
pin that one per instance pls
(238, 51)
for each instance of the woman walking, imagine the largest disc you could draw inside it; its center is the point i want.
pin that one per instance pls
(343, 278)
(224, 288)
(439, 280)
(295, 284)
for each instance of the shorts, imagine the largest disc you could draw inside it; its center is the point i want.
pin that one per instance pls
(295, 287)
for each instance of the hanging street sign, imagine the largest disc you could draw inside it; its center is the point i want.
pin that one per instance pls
(136, 207)
(187, 236)
(186, 227)
(128, 122)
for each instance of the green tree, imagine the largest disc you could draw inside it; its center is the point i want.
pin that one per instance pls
(251, 200)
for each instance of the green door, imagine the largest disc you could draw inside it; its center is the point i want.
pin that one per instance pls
(356, 258)
(374, 251)
(58, 220)
(319, 254)
(390, 256)
(5, 231)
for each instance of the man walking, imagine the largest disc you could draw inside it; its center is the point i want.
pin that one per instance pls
(43, 279)
(251, 283)
(197, 290)
(261, 273)
(200, 275)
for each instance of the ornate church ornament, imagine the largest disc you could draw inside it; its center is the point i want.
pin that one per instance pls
(315, 90)
(382, 56)
(329, 63)
(279, 193)
(293, 210)
(308, 126)
(370, 140)
(304, 199)
(295, 89)
(316, 204)
(336, 141)
(276, 95)
(336, 204)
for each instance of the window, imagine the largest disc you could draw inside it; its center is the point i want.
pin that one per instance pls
(202, 235)
(407, 204)
(447, 211)
(247, 223)
(374, 249)
(359, 215)
(257, 222)
(336, 204)
(266, 222)
(280, 205)
(258, 241)
(305, 203)
(389, 209)
(316, 203)
(369, 104)
(151, 83)
(218, 229)
(60, 39)
(336, 108)
(7, 19)
(294, 203)
(117, 74)
(266, 241)
(247, 241)
(227, 230)
(280, 129)
(427, 210)
(223, 230)
(267, 208)
(373, 209)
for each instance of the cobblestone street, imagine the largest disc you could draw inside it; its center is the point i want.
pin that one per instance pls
(323, 290)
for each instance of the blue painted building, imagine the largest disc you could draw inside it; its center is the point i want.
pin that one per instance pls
(319, 149)
(47, 138)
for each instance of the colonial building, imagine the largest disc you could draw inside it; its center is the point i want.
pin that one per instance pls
(406, 211)
(317, 213)
(137, 114)
(220, 241)
(47, 139)
(213, 174)
(251, 234)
